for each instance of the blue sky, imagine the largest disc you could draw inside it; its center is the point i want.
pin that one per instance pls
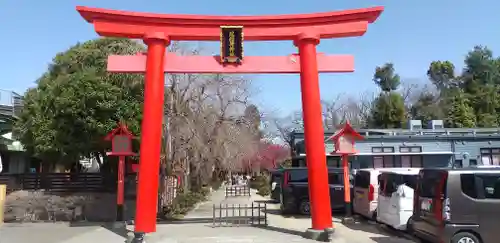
(410, 34)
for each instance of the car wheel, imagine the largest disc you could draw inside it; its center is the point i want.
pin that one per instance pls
(305, 207)
(465, 237)
(409, 226)
(374, 216)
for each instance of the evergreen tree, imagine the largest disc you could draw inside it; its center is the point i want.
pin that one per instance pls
(388, 109)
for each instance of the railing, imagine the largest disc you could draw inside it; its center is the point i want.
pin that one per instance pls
(237, 191)
(11, 103)
(62, 182)
(230, 215)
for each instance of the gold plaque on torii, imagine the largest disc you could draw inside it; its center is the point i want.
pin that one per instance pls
(231, 44)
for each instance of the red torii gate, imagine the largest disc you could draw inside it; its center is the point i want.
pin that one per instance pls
(158, 30)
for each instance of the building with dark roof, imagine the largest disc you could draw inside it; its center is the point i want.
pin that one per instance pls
(434, 146)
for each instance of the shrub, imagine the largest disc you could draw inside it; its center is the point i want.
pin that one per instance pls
(216, 184)
(258, 181)
(261, 184)
(264, 191)
(184, 202)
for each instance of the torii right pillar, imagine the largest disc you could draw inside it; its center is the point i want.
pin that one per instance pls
(319, 189)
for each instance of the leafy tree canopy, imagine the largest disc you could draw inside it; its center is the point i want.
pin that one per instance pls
(388, 111)
(386, 78)
(76, 102)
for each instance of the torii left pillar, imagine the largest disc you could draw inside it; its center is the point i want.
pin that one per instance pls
(151, 127)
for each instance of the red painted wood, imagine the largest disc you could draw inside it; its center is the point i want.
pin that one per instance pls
(211, 64)
(305, 30)
(207, 28)
(319, 190)
(151, 130)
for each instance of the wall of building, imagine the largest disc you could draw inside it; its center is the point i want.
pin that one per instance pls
(468, 150)
(463, 151)
(13, 162)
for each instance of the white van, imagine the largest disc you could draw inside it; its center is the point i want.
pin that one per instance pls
(395, 197)
(366, 191)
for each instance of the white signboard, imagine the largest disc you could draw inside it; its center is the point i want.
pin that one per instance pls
(1, 166)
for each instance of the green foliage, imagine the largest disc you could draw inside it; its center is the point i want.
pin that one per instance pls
(216, 184)
(442, 74)
(459, 113)
(184, 202)
(388, 111)
(427, 108)
(286, 164)
(76, 102)
(261, 184)
(472, 98)
(386, 78)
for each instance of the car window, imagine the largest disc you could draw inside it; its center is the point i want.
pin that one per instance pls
(335, 179)
(468, 185)
(410, 181)
(392, 183)
(481, 186)
(490, 185)
(362, 179)
(298, 175)
(428, 184)
(276, 177)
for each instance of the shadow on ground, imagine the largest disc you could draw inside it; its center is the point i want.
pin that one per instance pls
(267, 201)
(299, 216)
(388, 239)
(117, 228)
(281, 230)
(187, 221)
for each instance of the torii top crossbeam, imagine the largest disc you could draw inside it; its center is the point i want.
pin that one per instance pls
(128, 24)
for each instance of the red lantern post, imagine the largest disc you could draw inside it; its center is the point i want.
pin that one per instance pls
(345, 139)
(121, 146)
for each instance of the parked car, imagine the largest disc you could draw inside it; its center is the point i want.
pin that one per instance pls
(295, 190)
(395, 197)
(366, 189)
(457, 205)
(275, 182)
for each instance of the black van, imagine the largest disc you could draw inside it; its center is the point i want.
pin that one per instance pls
(457, 205)
(295, 190)
(275, 184)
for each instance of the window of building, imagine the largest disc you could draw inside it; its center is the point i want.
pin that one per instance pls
(383, 161)
(383, 150)
(411, 161)
(458, 164)
(473, 162)
(332, 161)
(490, 156)
(410, 149)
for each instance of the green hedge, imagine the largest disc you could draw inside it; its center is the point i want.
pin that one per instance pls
(261, 184)
(185, 202)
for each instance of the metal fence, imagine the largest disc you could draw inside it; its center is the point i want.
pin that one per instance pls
(237, 191)
(62, 182)
(234, 215)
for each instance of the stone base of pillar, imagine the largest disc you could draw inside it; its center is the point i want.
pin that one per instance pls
(139, 238)
(325, 235)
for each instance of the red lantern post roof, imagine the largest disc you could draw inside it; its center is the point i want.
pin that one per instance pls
(121, 129)
(347, 129)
